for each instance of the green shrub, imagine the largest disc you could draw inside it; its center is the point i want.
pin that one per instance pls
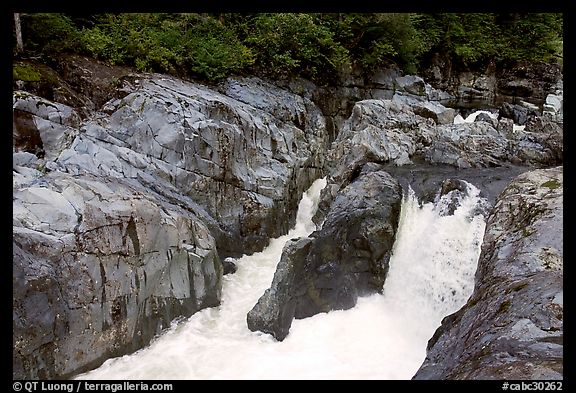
(25, 72)
(315, 46)
(213, 51)
(287, 44)
(48, 33)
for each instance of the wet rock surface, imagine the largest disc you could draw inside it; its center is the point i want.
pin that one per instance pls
(246, 166)
(101, 266)
(348, 257)
(426, 180)
(512, 325)
(130, 190)
(120, 220)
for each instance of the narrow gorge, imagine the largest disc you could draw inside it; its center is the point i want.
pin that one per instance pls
(261, 229)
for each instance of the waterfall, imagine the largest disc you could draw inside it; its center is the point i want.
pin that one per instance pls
(384, 337)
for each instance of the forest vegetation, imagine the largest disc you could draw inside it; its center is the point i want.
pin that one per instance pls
(313, 46)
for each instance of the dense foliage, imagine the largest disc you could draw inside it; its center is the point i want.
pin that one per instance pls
(316, 46)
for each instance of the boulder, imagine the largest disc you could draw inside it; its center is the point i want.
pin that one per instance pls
(554, 107)
(470, 93)
(101, 266)
(377, 130)
(24, 159)
(512, 325)
(386, 78)
(435, 111)
(229, 267)
(345, 259)
(433, 94)
(410, 84)
(505, 125)
(518, 113)
(44, 109)
(464, 145)
(488, 119)
(530, 106)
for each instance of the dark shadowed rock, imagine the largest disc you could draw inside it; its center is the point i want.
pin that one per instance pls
(512, 325)
(518, 113)
(274, 311)
(426, 180)
(229, 266)
(345, 259)
(487, 118)
(95, 80)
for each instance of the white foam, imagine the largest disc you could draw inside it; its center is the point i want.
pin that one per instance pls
(383, 337)
(458, 119)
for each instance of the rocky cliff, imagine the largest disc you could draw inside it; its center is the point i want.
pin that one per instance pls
(121, 218)
(404, 130)
(512, 325)
(129, 189)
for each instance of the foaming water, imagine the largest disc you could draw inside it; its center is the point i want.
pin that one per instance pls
(383, 337)
(458, 119)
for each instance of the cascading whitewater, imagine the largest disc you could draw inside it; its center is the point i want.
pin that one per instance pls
(384, 337)
(458, 119)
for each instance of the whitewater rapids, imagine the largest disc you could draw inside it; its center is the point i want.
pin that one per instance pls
(384, 337)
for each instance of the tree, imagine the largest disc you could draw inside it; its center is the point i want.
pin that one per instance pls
(18, 28)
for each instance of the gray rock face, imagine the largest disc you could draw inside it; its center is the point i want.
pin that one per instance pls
(245, 165)
(488, 119)
(512, 325)
(433, 94)
(345, 259)
(42, 127)
(100, 267)
(120, 221)
(390, 131)
(439, 113)
(410, 84)
(379, 131)
(554, 107)
(518, 113)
